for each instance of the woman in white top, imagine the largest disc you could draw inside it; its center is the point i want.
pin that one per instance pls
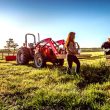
(71, 53)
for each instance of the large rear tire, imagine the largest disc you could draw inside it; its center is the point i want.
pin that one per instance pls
(23, 56)
(39, 60)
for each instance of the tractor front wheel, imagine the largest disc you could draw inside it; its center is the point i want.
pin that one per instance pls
(39, 60)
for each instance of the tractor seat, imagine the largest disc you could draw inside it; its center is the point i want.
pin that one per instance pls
(31, 45)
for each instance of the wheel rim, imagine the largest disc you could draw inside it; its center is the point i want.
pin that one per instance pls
(20, 57)
(38, 61)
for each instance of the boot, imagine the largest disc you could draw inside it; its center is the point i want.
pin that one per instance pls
(68, 71)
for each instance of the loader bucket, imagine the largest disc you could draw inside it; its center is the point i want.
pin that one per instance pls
(10, 58)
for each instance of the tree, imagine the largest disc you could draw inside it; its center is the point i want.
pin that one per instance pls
(11, 44)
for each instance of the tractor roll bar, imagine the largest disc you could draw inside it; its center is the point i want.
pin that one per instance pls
(33, 36)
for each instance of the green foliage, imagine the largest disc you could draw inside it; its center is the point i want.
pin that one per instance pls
(28, 88)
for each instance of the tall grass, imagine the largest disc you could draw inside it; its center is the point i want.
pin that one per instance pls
(50, 88)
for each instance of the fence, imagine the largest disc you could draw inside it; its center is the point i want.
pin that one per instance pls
(6, 53)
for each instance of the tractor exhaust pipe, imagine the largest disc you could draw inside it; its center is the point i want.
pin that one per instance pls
(38, 37)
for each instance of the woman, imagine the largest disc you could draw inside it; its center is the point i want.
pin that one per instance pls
(71, 53)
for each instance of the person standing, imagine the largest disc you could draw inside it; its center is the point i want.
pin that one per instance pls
(71, 53)
(106, 47)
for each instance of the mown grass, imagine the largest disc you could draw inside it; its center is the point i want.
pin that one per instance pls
(50, 88)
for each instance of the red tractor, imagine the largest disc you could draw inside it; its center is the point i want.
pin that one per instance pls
(41, 52)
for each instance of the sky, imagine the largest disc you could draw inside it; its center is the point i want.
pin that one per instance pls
(89, 19)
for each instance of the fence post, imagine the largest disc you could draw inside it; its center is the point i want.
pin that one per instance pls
(2, 55)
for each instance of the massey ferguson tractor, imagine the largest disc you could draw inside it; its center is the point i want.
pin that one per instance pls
(41, 52)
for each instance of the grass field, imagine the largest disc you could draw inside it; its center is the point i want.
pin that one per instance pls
(28, 88)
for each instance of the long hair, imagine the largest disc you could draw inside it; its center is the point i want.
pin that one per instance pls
(70, 37)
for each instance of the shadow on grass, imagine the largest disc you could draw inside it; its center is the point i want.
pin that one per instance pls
(89, 73)
(49, 66)
(92, 74)
(82, 106)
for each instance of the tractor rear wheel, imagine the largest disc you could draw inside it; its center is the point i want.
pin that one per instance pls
(23, 56)
(39, 60)
(59, 62)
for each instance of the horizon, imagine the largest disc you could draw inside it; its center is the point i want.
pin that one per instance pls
(89, 19)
